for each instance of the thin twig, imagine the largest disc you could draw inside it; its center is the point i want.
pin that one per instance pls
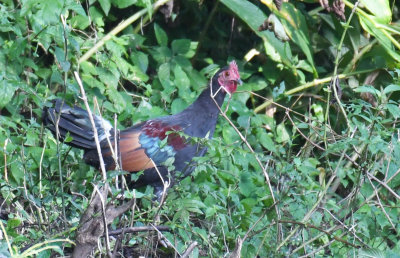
(102, 166)
(381, 206)
(118, 29)
(335, 78)
(313, 83)
(40, 167)
(251, 150)
(166, 240)
(103, 211)
(189, 250)
(5, 160)
(320, 199)
(137, 229)
(96, 136)
(307, 225)
(384, 185)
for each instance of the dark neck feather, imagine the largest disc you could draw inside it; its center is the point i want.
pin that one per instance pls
(206, 103)
(202, 115)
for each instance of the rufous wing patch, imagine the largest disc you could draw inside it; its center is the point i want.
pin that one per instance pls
(133, 157)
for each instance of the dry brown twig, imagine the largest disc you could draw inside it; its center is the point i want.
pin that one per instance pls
(250, 148)
(138, 229)
(92, 227)
(381, 206)
(189, 250)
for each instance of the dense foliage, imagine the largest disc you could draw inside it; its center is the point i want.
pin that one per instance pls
(318, 113)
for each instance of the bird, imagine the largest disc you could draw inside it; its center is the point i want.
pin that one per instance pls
(147, 145)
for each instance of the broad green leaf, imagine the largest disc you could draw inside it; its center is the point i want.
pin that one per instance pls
(105, 5)
(117, 100)
(266, 141)
(368, 89)
(375, 253)
(161, 36)
(182, 82)
(136, 74)
(32, 138)
(391, 88)
(229, 134)
(107, 77)
(296, 27)
(80, 22)
(380, 8)
(17, 171)
(164, 72)
(141, 60)
(246, 184)
(77, 7)
(282, 134)
(97, 16)
(180, 46)
(254, 17)
(60, 55)
(7, 92)
(123, 3)
(370, 25)
(178, 105)
(394, 110)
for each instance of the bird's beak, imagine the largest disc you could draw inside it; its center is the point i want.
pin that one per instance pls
(239, 81)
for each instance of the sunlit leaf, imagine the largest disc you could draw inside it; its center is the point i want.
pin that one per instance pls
(380, 8)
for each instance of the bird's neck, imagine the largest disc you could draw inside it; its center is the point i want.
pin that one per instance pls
(209, 99)
(203, 113)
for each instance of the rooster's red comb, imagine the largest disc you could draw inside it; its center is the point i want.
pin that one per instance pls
(234, 68)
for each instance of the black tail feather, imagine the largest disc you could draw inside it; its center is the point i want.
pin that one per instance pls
(76, 122)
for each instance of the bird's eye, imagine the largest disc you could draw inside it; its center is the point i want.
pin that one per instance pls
(226, 73)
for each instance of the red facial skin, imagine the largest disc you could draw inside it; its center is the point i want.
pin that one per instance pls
(229, 79)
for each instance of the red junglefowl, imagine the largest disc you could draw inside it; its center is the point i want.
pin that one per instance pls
(140, 147)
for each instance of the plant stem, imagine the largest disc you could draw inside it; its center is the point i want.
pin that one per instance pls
(313, 83)
(118, 29)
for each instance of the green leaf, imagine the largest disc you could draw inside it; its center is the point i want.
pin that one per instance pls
(107, 77)
(164, 74)
(141, 60)
(161, 36)
(105, 5)
(380, 8)
(7, 92)
(394, 110)
(265, 140)
(180, 46)
(368, 89)
(117, 100)
(60, 55)
(229, 134)
(296, 26)
(32, 138)
(246, 185)
(17, 171)
(391, 88)
(136, 74)
(254, 17)
(282, 135)
(182, 82)
(178, 105)
(77, 7)
(97, 16)
(123, 3)
(371, 26)
(12, 223)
